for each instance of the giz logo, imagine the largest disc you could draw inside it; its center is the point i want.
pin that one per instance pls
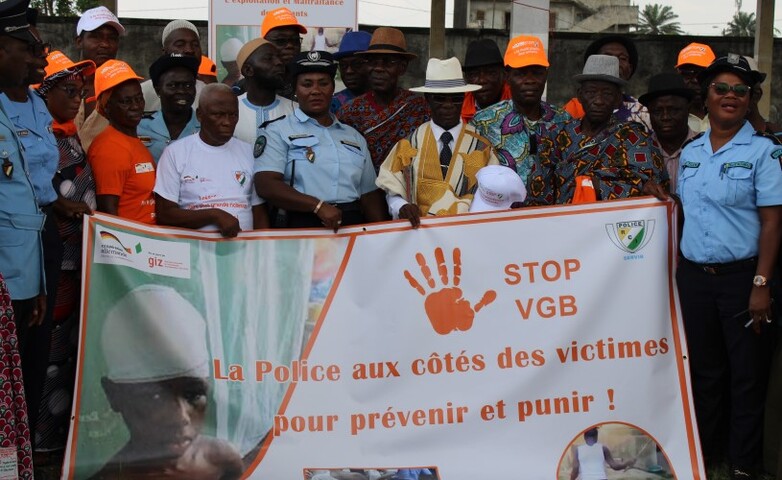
(446, 308)
(632, 235)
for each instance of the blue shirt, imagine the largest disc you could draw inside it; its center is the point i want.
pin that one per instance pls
(721, 192)
(153, 132)
(33, 124)
(21, 254)
(332, 163)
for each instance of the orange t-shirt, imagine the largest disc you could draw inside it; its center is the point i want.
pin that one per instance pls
(123, 166)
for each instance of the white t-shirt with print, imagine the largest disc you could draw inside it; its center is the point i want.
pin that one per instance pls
(197, 176)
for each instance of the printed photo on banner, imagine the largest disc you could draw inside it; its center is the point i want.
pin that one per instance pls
(159, 389)
(405, 473)
(614, 451)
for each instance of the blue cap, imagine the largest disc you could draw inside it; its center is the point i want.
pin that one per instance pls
(351, 43)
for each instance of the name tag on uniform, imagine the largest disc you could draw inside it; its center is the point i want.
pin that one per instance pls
(145, 167)
(23, 133)
(145, 140)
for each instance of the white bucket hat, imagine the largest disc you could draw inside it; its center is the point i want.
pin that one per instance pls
(445, 76)
(499, 187)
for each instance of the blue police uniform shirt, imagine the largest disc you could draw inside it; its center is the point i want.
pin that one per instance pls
(33, 124)
(721, 192)
(21, 221)
(153, 132)
(332, 163)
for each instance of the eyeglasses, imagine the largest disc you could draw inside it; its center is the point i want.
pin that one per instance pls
(689, 72)
(383, 62)
(282, 42)
(352, 63)
(128, 102)
(71, 91)
(444, 99)
(722, 88)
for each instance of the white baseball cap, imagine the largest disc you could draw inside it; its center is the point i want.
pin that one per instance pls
(95, 18)
(153, 334)
(499, 187)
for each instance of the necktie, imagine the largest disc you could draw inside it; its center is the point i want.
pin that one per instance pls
(445, 152)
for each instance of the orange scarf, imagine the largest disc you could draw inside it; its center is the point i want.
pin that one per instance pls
(63, 130)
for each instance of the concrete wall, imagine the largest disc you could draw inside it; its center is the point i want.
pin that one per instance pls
(657, 53)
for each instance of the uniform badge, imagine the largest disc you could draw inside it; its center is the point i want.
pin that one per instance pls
(8, 168)
(23, 133)
(310, 154)
(776, 153)
(259, 147)
(240, 177)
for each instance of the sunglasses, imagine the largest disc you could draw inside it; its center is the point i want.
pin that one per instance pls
(722, 88)
(72, 92)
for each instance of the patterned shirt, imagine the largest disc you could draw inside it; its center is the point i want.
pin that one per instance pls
(509, 133)
(382, 126)
(619, 159)
(341, 98)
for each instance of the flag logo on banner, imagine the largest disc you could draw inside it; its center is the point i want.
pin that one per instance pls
(446, 307)
(630, 236)
(111, 241)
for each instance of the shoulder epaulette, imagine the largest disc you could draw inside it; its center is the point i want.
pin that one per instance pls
(690, 140)
(148, 115)
(268, 122)
(770, 136)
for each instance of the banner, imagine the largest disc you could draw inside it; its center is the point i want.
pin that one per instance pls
(509, 345)
(232, 23)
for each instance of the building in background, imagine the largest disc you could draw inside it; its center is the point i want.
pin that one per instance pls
(588, 16)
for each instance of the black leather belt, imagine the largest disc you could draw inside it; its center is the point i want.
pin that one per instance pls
(724, 268)
(354, 206)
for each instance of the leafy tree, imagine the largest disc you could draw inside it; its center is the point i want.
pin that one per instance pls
(658, 19)
(741, 25)
(63, 8)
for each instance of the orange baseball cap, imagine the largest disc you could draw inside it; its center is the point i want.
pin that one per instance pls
(207, 67)
(696, 54)
(280, 17)
(111, 74)
(524, 51)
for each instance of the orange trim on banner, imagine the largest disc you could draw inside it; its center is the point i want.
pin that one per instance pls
(677, 338)
(305, 354)
(89, 247)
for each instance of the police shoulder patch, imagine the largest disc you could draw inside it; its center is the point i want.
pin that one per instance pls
(260, 146)
(776, 153)
(686, 142)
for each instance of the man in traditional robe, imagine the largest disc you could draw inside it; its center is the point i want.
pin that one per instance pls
(433, 171)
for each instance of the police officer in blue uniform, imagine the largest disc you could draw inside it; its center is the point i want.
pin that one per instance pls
(730, 183)
(21, 219)
(313, 165)
(173, 76)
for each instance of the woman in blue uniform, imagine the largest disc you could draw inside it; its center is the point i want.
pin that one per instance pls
(311, 164)
(730, 183)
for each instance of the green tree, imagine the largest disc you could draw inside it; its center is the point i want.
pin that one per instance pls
(741, 25)
(63, 8)
(658, 19)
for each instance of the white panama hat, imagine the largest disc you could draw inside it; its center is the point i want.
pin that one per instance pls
(445, 76)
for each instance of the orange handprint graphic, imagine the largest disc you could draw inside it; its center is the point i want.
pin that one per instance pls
(446, 309)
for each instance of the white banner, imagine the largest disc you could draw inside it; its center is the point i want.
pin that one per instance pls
(478, 346)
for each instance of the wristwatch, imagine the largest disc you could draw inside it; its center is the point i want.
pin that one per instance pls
(759, 281)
